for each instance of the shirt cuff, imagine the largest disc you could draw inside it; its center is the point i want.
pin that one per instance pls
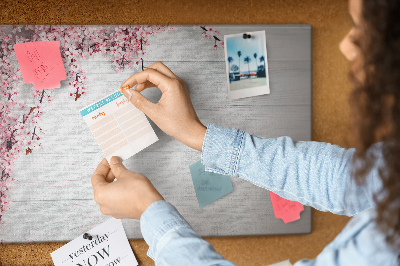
(159, 218)
(222, 148)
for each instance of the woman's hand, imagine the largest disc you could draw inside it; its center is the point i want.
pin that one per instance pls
(174, 112)
(127, 197)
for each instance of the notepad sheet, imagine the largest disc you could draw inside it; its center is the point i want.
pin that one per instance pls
(118, 126)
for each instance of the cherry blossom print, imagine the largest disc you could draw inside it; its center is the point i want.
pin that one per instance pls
(211, 34)
(20, 131)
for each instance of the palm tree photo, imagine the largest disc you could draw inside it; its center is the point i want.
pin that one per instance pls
(239, 51)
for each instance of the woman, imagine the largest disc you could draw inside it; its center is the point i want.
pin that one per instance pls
(360, 182)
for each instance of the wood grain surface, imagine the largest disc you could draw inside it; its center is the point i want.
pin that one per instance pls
(330, 22)
(54, 191)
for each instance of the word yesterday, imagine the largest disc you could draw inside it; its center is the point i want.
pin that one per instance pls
(89, 246)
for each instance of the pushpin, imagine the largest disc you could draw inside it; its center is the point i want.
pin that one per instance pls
(87, 236)
(246, 36)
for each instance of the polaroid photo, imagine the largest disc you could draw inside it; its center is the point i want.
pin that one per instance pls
(246, 64)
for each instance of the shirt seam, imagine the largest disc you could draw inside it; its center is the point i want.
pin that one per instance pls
(238, 152)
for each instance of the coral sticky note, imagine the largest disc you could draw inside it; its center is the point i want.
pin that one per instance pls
(284, 209)
(41, 64)
(209, 186)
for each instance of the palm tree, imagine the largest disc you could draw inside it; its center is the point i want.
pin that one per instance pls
(262, 60)
(255, 57)
(239, 54)
(247, 60)
(230, 60)
(264, 73)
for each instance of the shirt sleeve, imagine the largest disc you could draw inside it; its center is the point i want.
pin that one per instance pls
(313, 173)
(172, 241)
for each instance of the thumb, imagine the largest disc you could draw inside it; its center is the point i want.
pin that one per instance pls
(100, 174)
(117, 167)
(139, 101)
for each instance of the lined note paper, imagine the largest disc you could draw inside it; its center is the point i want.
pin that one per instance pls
(41, 64)
(118, 126)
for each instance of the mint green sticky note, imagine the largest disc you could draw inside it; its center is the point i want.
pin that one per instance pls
(209, 186)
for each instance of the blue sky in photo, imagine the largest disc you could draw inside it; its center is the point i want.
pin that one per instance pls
(248, 47)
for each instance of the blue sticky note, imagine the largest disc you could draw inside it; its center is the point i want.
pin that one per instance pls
(209, 186)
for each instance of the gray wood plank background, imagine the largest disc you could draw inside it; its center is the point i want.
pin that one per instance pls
(53, 198)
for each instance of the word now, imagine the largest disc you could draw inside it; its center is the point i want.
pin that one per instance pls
(93, 259)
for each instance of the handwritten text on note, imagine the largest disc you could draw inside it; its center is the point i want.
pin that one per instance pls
(209, 186)
(41, 64)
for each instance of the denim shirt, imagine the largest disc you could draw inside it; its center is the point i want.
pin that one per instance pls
(312, 173)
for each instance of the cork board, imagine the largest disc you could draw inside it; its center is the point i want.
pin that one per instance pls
(330, 91)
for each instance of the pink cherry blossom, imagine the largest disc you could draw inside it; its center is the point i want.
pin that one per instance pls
(211, 34)
(19, 123)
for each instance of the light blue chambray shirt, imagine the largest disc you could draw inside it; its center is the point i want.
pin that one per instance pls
(312, 173)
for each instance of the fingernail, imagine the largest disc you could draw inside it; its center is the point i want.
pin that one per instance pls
(127, 94)
(115, 160)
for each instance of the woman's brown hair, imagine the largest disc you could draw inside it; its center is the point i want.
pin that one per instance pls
(375, 103)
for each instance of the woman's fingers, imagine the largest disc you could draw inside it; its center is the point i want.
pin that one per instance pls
(102, 169)
(174, 113)
(100, 174)
(110, 177)
(142, 86)
(160, 67)
(159, 80)
(141, 102)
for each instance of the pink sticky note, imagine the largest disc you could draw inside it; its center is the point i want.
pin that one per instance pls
(284, 209)
(41, 64)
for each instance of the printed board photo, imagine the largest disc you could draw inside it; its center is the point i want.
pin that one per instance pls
(246, 64)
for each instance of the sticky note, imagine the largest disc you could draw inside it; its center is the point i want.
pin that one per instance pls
(108, 246)
(41, 64)
(118, 126)
(209, 186)
(284, 209)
